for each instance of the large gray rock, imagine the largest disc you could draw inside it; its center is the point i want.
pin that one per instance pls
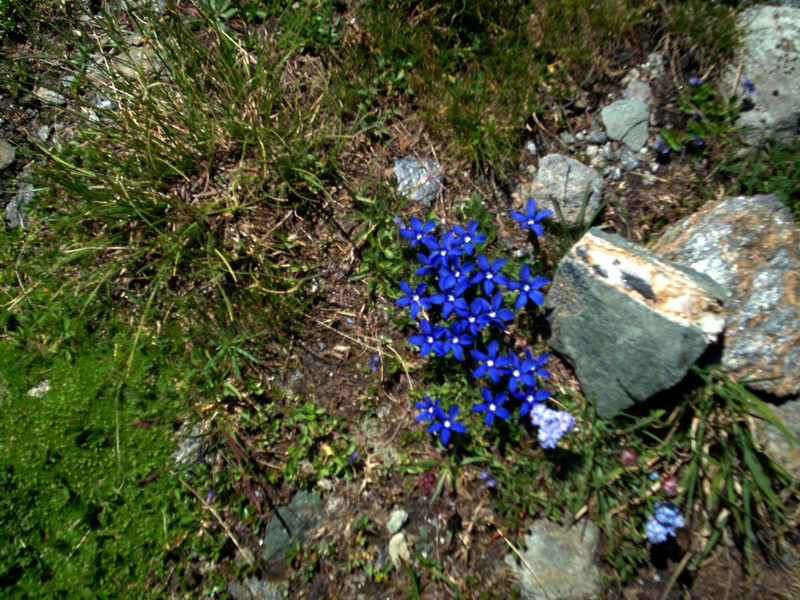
(421, 178)
(303, 512)
(751, 246)
(631, 323)
(626, 121)
(784, 451)
(561, 185)
(771, 60)
(559, 562)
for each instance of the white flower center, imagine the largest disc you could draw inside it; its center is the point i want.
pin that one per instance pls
(455, 340)
(489, 275)
(526, 287)
(430, 339)
(490, 363)
(415, 298)
(492, 314)
(447, 424)
(491, 407)
(467, 240)
(451, 298)
(516, 373)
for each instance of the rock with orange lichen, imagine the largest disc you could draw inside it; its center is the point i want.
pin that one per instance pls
(750, 246)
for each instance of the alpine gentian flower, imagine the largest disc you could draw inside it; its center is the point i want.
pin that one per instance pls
(487, 478)
(528, 288)
(552, 424)
(530, 398)
(353, 457)
(443, 249)
(372, 363)
(428, 408)
(531, 217)
(458, 339)
(472, 316)
(469, 236)
(413, 298)
(538, 363)
(445, 423)
(428, 339)
(665, 521)
(749, 86)
(428, 265)
(454, 273)
(489, 273)
(661, 147)
(496, 314)
(490, 362)
(519, 372)
(695, 81)
(450, 298)
(418, 232)
(492, 406)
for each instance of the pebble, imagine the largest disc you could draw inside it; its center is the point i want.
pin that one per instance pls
(396, 520)
(398, 550)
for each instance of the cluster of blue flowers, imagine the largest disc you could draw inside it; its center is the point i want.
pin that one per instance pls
(665, 521)
(457, 307)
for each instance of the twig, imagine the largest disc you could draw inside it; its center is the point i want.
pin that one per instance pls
(248, 556)
(671, 583)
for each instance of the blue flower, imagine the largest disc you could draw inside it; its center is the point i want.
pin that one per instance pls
(472, 316)
(418, 232)
(695, 81)
(487, 478)
(661, 147)
(489, 273)
(428, 265)
(492, 406)
(454, 273)
(552, 424)
(443, 249)
(458, 340)
(538, 363)
(665, 521)
(749, 86)
(519, 372)
(445, 423)
(469, 236)
(531, 217)
(697, 141)
(450, 298)
(528, 288)
(428, 339)
(413, 298)
(372, 363)
(530, 398)
(428, 408)
(495, 314)
(490, 362)
(654, 476)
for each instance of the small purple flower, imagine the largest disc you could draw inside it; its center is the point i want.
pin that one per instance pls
(398, 222)
(413, 298)
(552, 424)
(418, 232)
(528, 288)
(372, 363)
(531, 217)
(492, 405)
(353, 457)
(693, 81)
(661, 147)
(697, 114)
(749, 86)
(445, 423)
(427, 409)
(665, 521)
(697, 141)
(487, 478)
(209, 495)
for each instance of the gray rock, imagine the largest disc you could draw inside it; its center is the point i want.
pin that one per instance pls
(303, 512)
(559, 562)
(567, 138)
(7, 154)
(631, 323)
(771, 60)
(654, 65)
(422, 178)
(561, 185)
(49, 96)
(43, 133)
(774, 443)
(398, 550)
(98, 100)
(628, 159)
(626, 120)
(253, 588)
(397, 519)
(39, 390)
(751, 246)
(597, 136)
(15, 209)
(192, 444)
(638, 90)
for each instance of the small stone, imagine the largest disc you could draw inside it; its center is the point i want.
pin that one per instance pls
(49, 96)
(7, 154)
(530, 148)
(398, 550)
(44, 132)
(638, 90)
(598, 136)
(592, 151)
(397, 519)
(627, 158)
(626, 120)
(39, 390)
(421, 178)
(567, 138)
